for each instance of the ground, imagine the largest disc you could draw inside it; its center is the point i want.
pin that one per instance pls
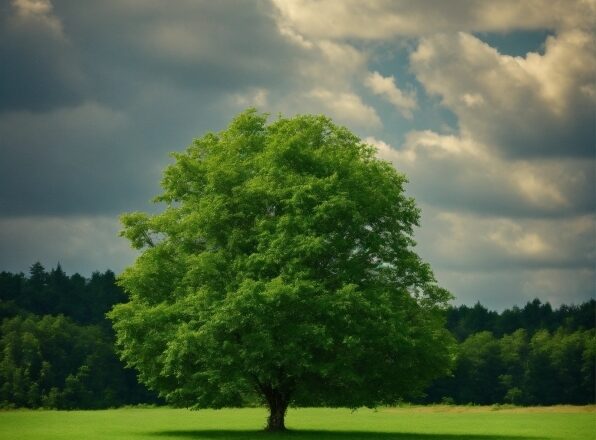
(407, 423)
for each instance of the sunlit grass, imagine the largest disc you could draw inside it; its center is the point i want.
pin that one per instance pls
(409, 423)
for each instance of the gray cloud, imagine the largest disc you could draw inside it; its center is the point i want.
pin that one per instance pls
(454, 240)
(102, 91)
(39, 68)
(501, 261)
(197, 45)
(500, 289)
(93, 95)
(453, 172)
(79, 244)
(91, 159)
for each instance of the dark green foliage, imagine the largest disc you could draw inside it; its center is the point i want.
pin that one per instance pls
(561, 367)
(54, 293)
(544, 369)
(12, 295)
(478, 369)
(51, 360)
(464, 321)
(537, 356)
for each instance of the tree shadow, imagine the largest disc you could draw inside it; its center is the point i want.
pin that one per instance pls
(221, 434)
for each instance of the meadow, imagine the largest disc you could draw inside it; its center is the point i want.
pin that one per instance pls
(407, 423)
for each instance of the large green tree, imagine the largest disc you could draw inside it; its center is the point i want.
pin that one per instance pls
(282, 269)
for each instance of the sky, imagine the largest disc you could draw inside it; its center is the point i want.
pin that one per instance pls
(488, 107)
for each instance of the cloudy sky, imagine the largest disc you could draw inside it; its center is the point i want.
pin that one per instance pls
(487, 106)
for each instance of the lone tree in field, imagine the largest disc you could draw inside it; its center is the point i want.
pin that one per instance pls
(281, 269)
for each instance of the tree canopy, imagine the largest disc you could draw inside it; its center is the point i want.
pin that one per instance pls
(281, 269)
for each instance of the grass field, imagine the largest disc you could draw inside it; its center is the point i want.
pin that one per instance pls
(414, 423)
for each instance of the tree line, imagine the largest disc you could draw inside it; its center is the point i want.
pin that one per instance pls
(56, 345)
(464, 321)
(533, 355)
(57, 348)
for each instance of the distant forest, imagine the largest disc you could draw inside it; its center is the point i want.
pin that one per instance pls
(56, 349)
(56, 345)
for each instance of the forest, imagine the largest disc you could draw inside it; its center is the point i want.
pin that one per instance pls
(57, 349)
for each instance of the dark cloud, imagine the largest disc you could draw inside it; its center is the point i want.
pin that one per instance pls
(197, 45)
(79, 244)
(39, 69)
(97, 93)
(94, 160)
(500, 289)
(111, 51)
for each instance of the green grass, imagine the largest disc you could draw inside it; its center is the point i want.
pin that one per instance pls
(415, 423)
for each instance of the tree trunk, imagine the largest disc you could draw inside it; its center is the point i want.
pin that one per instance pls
(278, 404)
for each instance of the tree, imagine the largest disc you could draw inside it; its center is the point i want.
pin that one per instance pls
(478, 370)
(281, 269)
(464, 321)
(36, 298)
(514, 354)
(38, 353)
(542, 382)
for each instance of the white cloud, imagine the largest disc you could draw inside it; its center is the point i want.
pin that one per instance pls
(33, 7)
(537, 105)
(472, 99)
(293, 36)
(330, 65)
(508, 200)
(454, 240)
(384, 19)
(256, 97)
(38, 13)
(460, 173)
(325, 80)
(404, 102)
(347, 107)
